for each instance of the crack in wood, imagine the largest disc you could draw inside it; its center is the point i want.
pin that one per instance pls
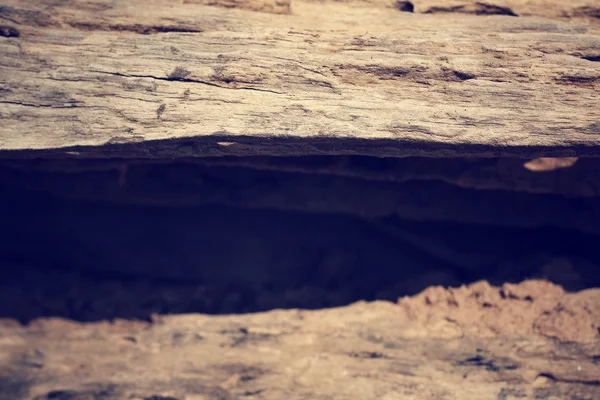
(134, 28)
(478, 8)
(554, 378)
(177, 78)
(9, 31)
(72, 105)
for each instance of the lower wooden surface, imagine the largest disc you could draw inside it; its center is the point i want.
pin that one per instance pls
(479, 342)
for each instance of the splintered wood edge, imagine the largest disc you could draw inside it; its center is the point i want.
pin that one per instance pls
(205, 78)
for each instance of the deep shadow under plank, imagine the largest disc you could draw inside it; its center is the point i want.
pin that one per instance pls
(88, 261)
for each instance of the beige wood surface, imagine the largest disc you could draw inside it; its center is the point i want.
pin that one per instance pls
(312, 77)
(536, 343)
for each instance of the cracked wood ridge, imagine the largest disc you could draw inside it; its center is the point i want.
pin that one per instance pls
(270, 77)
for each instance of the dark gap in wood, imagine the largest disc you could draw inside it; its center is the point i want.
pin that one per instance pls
(92, 240)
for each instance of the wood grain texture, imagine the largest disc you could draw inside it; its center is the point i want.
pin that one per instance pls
(158, 78)
(364, 351)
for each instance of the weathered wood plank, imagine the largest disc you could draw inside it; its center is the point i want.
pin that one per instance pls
(325, 78)
(452, 348)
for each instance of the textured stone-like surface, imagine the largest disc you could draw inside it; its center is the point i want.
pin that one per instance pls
(418, 349)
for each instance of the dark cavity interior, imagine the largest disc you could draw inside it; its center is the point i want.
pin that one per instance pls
(105, 239)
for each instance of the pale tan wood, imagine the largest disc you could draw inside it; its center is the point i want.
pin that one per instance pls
(325, 78)
(364, 351)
